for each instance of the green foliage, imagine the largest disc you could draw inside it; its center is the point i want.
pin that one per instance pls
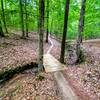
(2, 93)
(92, 15)
(56, 17)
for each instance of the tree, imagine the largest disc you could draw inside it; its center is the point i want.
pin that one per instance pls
(26, 18)
(64, 31)
(80, 30)
(51, 26)
(81, 22)
(1, 31)
(47, 21)
(22, 17)
(3, 16)
(41, 34)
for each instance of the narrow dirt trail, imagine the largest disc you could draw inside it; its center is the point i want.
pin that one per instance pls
(76, 74)
(52, 45)
(51, 64)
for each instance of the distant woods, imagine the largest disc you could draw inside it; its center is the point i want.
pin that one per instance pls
(3, 16)
(24, 14)
(24, 24)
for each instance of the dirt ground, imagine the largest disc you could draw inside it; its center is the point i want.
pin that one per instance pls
(27, 86)
(83, 78)
(15, 51)
(24, 86)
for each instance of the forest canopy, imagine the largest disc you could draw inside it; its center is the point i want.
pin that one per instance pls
(56, 16)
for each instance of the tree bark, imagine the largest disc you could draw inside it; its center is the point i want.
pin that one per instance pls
(41, 34)
(51, 26)
(3, 16)
(64, 31)
(80, 30)
(26, 18)
(1, 31)
(47, 33)
(22, 18)
(81, 22)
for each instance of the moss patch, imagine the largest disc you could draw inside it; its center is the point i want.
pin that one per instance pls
(40, 77)
(2, 93)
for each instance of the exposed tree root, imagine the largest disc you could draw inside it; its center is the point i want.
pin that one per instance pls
(7, 74)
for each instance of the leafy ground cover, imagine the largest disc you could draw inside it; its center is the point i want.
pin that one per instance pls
(28, 86)
(15, 51)
(83, 78)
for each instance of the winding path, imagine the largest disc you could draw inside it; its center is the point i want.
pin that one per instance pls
(52, 45)
(51, 64)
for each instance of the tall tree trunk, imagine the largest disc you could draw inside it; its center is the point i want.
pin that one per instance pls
(51, 26)
(81, 22)
(80, 30)
(41, 34)
(1, 31)
(64, 31)
(22, 18)
(3, 16)
(5, 4)
(26, 18)
(47, 33)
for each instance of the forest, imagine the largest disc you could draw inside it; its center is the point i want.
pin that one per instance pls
(49, 49)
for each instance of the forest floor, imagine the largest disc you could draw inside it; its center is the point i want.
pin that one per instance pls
(27, 86)
(15, 52)
(84, 78)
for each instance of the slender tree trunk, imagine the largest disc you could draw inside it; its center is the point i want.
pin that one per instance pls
(22, 18)
(51, 26)
(81, 22)
(80, 30)
(41, 34)
(26, 18)
(5, 4)
(3, 16)
(47, 33)
(64, 31)
(1, 31)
